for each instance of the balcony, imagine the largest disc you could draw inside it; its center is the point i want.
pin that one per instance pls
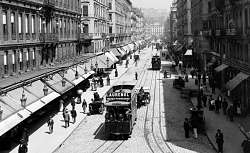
(205, 33)
(218, 32)
(86, 36)
(48, 37)
(248, 31)
(232, 32)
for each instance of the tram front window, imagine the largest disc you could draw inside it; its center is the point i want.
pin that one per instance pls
(118, 114)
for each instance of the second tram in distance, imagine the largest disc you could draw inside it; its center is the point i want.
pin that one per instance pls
(156, 62)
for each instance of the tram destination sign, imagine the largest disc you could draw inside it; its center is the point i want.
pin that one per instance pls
(119, 96)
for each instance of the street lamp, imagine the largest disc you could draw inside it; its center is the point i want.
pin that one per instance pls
(96, 66)
(107, 62)
(91, 65)
(85, 69)
(23, 99)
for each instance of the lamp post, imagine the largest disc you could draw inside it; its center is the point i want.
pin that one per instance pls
(96, 66)
(85, 69)
(23, 99)
(107, 60)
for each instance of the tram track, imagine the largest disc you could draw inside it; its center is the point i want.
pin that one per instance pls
(110, 146)
(153, 122)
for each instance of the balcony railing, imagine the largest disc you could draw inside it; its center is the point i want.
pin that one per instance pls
(86, 35)
(233, 32)
(48, 37)
(51, 3)
(218, 32)
(27, 36)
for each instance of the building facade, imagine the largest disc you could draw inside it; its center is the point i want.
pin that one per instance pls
(199, 22)
(120, 21)
(94, 25)
(156, 30)
(228, 35)
(37, 33)
(184, 33)
(173, 22)
(137, 24)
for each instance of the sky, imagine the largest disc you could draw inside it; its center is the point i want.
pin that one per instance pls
(158, 4)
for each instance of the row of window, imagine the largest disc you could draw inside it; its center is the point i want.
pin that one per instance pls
(20, 23)
(18, 59)
(68, 4)
(232, 49)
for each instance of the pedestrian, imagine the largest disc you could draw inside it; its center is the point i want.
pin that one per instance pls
(204, 100)
(186, 77)
(186, 127)
(199, 77)
(73, 115)
(213, 87)
(72, 102)
(136, 76)
(217, 105)
(50, 124)
(101, 82)
(22, 148)
(66, 119)
(61, 105)
(204, 78)
(194, 122)
(220, 101)
(230, 112)
(25, 136)
(116, 73)
(219, 140)
(84, 105)
(224, 106)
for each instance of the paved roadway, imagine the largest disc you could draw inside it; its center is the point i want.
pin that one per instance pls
(159, 126)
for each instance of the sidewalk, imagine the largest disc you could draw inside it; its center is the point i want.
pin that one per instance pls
(42, 142)
(233, 136)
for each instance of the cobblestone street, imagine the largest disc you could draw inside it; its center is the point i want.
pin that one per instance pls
(151, 131)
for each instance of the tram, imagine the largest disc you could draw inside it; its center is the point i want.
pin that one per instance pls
(156, 62)
(121, 110)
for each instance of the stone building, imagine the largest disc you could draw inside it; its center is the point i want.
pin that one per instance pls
(137, 24)
(173, 21)
(156, 30)
(94, 25)
(184, 33)
(120, 21)
(37, 33)
(228, 34)
(199, 23)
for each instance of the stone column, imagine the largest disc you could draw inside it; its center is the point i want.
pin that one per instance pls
(9, 25)
(10, 62)
(1, 27)
(24, 59)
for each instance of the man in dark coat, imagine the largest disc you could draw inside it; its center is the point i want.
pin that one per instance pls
(204, 100)
(219, 140)
(224, 106)
(73, 115)
(186, 127)
(116, 73)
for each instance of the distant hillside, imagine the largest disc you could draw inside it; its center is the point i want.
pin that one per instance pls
(154, 15)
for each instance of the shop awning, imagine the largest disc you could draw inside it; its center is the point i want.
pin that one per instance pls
(114, 57)
(11, 118)
(121, 51)
(101, 62)
(231, 84)
(112, 60)
(210, 64)
(221, 67)
(115, 52)
(125, 48)
(56, 83)
(189, 52)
